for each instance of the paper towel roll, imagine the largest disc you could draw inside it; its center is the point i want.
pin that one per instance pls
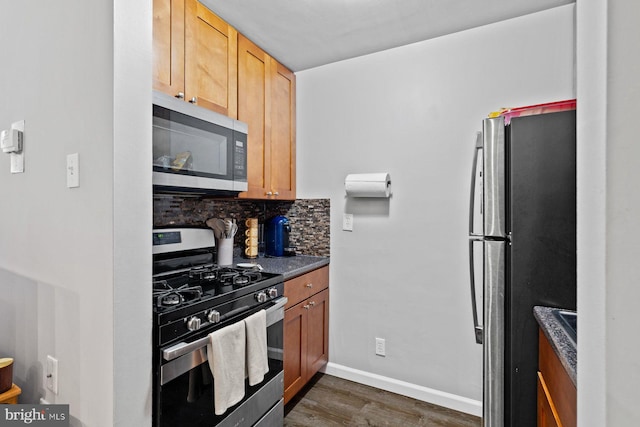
(368, 185)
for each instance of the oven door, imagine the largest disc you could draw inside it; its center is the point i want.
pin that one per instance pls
(184, 386)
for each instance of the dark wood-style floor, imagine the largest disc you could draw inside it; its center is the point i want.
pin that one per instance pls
(332, 401)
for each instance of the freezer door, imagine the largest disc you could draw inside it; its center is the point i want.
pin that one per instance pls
(494, 177)
(476, 262)
(493, 334)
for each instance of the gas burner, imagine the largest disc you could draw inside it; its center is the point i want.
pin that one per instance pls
(231, 276)
(171, 299)
(167, 296)
(203, 273)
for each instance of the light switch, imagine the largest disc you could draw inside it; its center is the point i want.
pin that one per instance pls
(347, 222)
(73, 170)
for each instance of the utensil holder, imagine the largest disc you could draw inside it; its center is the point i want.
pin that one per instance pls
(225, 251)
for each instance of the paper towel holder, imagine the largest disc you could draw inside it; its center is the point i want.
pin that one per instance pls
(368, 185)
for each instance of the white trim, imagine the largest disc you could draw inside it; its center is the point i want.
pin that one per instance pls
(425, 394)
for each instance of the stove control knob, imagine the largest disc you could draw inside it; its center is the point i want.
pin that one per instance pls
(213, 316)
(273, 292)
(261, 297)
(193, 324)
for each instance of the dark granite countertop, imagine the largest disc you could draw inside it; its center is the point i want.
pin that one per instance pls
(290, 267)
(564, 346)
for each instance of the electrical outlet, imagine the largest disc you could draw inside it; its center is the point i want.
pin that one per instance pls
(52, 374)
(380, 347)
(347, 222)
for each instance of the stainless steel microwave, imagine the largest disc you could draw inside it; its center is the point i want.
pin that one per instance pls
(196, 150)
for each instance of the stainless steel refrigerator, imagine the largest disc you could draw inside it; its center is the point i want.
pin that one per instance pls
(522, 250)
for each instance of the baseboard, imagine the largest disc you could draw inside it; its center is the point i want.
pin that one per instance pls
(425, 394)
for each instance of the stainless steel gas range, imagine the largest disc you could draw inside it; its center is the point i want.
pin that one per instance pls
(192, 298)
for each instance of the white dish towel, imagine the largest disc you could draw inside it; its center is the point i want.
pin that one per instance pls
(257, 359)
(226, 354)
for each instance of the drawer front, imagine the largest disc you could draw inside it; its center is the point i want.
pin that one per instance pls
(302, 287)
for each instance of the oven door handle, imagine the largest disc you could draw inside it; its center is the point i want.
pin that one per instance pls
(274, 314)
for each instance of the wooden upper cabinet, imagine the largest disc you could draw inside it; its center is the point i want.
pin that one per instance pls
(199, 57)
(283, 131)
(266, 102)
(254, 108)
(195, 55)
(210, 60)
(168, 46)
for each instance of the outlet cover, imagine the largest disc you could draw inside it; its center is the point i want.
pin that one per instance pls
(52, 374)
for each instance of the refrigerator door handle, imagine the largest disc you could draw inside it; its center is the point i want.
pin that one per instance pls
(474, 172)
(494, 323)
(493, 177)
(477, 328)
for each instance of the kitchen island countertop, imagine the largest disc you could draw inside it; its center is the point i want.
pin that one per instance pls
(289, 267)
(563, 346)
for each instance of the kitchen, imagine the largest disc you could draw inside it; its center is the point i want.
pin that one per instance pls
(105, 222)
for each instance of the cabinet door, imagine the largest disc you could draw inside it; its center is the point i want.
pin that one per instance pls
(283, 132)
(557, 385)
(547, 415)
(211, 60)
(317, 332)
(168, 46)
(254, 88)
(295, 349)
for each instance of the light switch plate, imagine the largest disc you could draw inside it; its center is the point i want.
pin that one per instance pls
(347, 222)
(73, 170)
(17, 162)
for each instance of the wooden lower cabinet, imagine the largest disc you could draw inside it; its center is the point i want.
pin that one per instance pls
(306, 330)
(557, 395)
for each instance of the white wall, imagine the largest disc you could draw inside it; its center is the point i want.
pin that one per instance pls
(608, 211)
(402, 274)
(62, 262)
(132, 207)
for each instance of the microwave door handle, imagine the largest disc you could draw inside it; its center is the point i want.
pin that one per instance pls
(477, 328)
(474, 172)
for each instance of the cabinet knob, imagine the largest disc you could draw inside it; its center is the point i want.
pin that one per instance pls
(276, 193)
(269, 193)
(180, 95)
(312, 303)
(309, 285)
(193, 100)
(306, 307)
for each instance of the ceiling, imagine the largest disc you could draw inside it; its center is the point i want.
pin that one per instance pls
(304, 34)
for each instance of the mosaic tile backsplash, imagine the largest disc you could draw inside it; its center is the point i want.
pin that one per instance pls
(309, 218)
